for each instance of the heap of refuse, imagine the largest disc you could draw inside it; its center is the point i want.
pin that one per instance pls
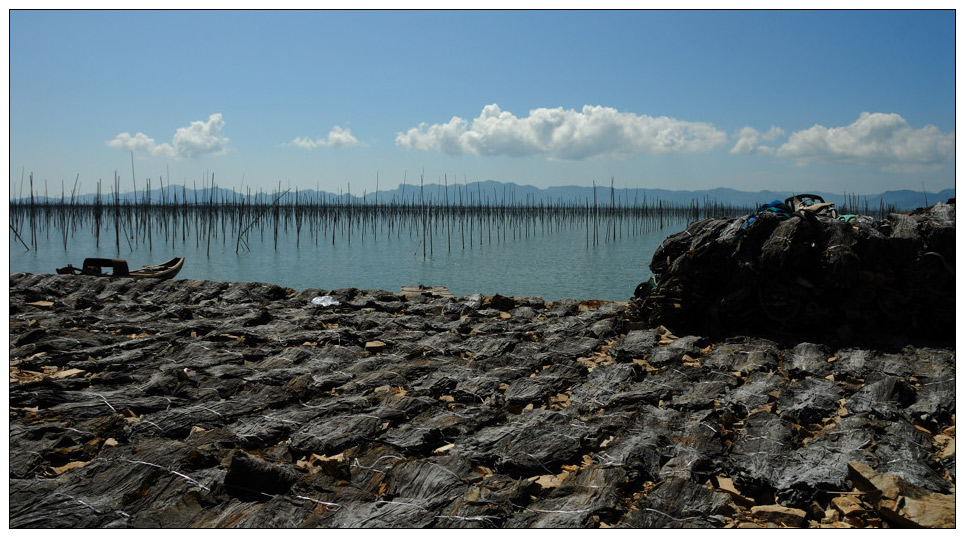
(798, 269)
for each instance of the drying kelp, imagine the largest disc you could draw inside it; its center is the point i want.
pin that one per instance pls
(211, 404)
(808, 274)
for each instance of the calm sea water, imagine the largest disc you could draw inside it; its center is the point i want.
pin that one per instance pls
(554, 265)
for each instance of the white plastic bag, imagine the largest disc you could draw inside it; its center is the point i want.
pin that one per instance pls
(324, 301)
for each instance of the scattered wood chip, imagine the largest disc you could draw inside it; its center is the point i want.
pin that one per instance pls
(483, 470)
(689, 361)
(21, 376)
(549, 480)
(587, 362)
(842, 411)
(375, 347)
(779, 514)
(946, 445)
(325, 458)
(849, 506)
(443, 449)
(559, 401)
(68, 373)
(61, 469)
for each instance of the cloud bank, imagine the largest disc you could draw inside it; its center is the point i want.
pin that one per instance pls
(885, 140)
(565, 135)
(878, 138)
(338, 138)
(197, 139)
(749, 139)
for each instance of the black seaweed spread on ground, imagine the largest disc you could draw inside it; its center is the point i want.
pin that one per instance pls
(209, 404)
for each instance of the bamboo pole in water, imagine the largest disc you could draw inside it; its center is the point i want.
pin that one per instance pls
(117, 213)
(346, 215)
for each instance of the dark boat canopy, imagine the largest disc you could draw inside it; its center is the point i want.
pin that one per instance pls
(119, 268)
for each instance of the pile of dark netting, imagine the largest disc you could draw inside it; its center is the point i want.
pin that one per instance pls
(800, 272)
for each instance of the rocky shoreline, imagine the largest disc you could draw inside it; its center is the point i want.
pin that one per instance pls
(210, 404)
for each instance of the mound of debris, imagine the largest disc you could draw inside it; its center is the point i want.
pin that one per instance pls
(798, 269)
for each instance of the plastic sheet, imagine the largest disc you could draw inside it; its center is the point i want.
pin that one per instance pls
(324, 301)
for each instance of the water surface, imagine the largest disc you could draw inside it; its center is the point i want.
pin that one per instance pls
(563, 263)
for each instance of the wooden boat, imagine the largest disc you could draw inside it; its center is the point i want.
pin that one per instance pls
(420, 290)
(118, 267)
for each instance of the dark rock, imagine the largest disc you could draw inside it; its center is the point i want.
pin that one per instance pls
(883, 398)
(822, 464)
(808, 359)
(758, 390)
(744, 356)
(464, 417)
(435, 481)
(564, 307)
(760, 455)
(524, 312)
(332, 435)
(809, 401)
(502, 303)
(637, 344)
(429, 431)
(537, 389)
(600, 385)
(905, 452)
(251, 477)
(540, 441)
(680, 503)
(651, 390)
(583, 499)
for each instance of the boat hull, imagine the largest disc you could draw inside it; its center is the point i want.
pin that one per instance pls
(119, 268)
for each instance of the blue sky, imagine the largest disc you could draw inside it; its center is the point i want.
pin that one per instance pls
(841, 101)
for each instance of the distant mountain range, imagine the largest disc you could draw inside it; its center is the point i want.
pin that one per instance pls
(492, 192)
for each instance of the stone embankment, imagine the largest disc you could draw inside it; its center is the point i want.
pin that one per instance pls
(209, 404)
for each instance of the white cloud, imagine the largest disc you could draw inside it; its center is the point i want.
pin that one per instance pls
(878, 138)
(140, 143)
(749, 139)
(199, 138)
(559, 134)
(338, 138)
